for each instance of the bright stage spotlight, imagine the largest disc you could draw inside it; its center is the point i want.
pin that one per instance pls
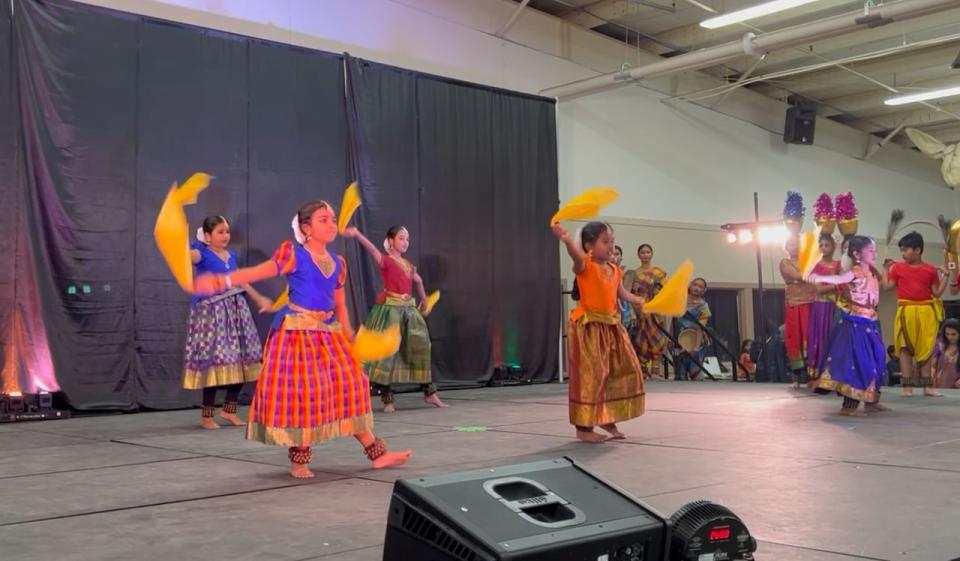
(775, 234)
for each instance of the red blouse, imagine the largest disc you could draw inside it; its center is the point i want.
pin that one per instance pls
(397, 277)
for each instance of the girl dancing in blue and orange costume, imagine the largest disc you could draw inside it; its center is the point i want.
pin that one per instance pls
(311, 388)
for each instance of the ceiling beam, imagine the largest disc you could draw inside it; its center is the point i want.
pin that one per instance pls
(599, 13)
(695, 37)
(946, 135)
(604, 11)
(513, 18)
(865, 40)
(916, 117)
(765, 42)
(894, 70)
(861, 103)
(868, 40)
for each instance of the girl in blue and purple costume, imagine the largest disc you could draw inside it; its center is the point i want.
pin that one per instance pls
(223, 346)
(854, 365)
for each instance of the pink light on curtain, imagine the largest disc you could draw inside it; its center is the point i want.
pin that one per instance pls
(27, 366)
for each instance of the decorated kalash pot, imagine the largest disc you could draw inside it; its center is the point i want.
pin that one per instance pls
(793, 212)
(823, 214)
(845, 211)
(953, 246)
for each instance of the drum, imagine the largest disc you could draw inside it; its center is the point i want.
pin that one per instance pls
(689, 340)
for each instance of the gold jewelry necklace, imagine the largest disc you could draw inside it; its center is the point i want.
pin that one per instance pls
(323, 262)
(403, 264)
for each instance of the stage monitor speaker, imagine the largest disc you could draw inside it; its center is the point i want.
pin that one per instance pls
(799, 125)
(542, 511)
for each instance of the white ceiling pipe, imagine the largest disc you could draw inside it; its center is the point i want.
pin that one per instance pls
(757, 45)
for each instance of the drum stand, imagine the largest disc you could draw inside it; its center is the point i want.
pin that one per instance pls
(735, 359)
(676, 345)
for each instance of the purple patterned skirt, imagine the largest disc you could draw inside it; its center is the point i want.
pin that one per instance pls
(822, 320)
(223, 346)
(855, 365)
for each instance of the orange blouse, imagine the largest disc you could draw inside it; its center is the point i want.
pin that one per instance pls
(598, 290)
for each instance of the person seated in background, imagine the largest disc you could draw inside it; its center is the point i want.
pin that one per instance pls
(697, 315)
(893, 366)
(746, 368)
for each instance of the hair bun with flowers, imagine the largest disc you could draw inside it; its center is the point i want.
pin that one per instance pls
(297, 232)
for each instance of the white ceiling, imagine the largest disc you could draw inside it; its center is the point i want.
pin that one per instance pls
(907, 57)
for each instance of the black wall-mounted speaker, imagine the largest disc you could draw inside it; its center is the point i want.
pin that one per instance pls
(799, 125)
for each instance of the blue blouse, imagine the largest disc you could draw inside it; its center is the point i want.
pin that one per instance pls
(210, 262)
(310, 288)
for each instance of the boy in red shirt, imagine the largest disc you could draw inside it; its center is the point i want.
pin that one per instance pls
(919, 286)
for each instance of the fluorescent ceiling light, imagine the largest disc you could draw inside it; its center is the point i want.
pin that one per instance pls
(752, 12)
(925, 96)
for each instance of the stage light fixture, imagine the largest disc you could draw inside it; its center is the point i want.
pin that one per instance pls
(16, 406)
(16, 402)
(45, 401)
(753, 12)
(509, 374)
(746, 236)
(731, 237)
(925, 96)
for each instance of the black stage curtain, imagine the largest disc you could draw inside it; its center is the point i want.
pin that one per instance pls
(472, 173)
(526, 261)
(78, 115)
(299, 148)
(108, 109)
(381, 106)
(9, 205)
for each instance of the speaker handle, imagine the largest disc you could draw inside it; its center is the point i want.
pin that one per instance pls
(546, 498)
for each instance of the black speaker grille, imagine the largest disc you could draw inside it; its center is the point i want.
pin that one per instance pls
(426, 529)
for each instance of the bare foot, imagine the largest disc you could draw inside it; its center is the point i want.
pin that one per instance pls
(389, 408)
(907, 392)
(852, 412)
(391, 459)
(930, 392)
(232, 419)
(590, 436)
(434, 399)
(874, 407)
(208, 423)
(301, 471)
(615, 433)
